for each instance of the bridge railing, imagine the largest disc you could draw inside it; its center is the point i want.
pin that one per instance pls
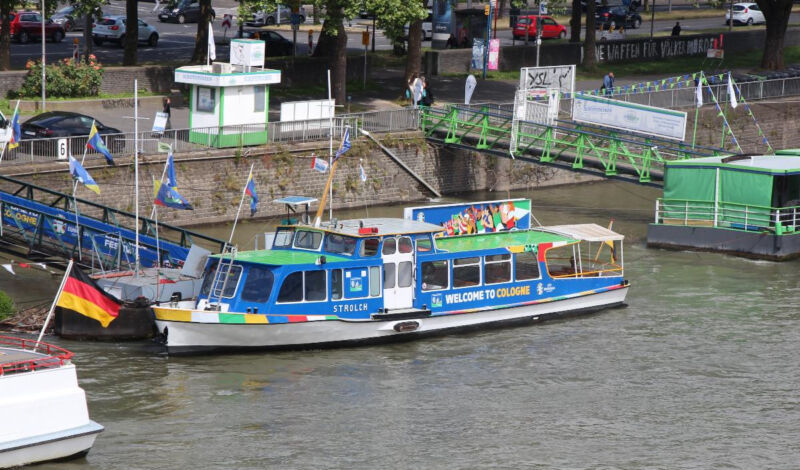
(197, 139)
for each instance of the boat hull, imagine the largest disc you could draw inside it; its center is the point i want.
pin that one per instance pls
(67, 445)
(749, 244)
(135, 322)
(190, 337)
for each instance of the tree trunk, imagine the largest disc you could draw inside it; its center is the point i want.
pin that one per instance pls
(589, 53)
(87, 37)
(414, 58)
(501, 5)
(575, 22)
(326, 44)
(339, 61)
(776, 14)
(201, 38)
(315, 12)
(131, 32)
(5, 37)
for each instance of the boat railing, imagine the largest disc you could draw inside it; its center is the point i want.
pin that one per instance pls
(51, 356)
(565, 268)
(727, 215)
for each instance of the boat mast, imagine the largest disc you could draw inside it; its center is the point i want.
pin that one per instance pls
(136, 165)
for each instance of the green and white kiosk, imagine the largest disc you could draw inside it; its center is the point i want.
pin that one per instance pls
(229, 102)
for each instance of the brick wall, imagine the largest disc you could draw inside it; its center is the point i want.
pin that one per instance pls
(213, 184)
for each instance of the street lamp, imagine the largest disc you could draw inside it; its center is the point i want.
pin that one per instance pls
(44, 74)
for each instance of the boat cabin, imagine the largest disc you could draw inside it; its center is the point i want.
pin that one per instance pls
(740, 192)
(362, 269)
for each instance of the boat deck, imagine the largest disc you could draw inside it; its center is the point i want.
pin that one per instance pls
(19, 355)
(10, 356)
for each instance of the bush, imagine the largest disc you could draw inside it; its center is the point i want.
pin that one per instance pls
(67, 78)
(6, 305)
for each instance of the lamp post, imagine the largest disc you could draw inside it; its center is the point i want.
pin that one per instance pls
(44, 74)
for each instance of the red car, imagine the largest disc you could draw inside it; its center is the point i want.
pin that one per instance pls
(550, 29)
(27, 25)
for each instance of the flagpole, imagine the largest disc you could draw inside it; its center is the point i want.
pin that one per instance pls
(55, 301)
(328, 187)
(77, 223)
(136, 165)
(241, 201)
(163, 173)
(321, 208)
(697, 109)
(83, 159)
(158, 250)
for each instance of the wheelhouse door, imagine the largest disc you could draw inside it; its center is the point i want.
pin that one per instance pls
(398, 272)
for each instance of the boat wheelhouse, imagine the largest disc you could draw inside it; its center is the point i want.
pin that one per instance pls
(745, 205)
(371, 280)
(44, 412)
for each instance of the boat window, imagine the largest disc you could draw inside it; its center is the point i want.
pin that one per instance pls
(355, 283)
(292, 288)
(404, 245)
(561, 262)
(369, 247)
(526, 266)
(389, 246)
(336, 284)
(467, 272)
(424, 244)
(283, 238)
(340, 244)
(257, 285)
(497, 269)
(374, 281)
(389, 275)
(315, 286)
(435, 275)
(404, 274)
(230, 285)
(308, 240)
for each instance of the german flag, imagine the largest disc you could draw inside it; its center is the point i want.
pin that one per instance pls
(82, 295)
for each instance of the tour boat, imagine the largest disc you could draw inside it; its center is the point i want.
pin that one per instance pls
(44, 413)
(382, 279)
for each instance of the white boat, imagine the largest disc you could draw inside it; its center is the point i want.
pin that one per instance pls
(43, 410)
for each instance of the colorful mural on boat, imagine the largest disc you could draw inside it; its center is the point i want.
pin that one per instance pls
(477, 217)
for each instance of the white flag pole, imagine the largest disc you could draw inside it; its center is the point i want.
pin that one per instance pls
(241, 201)
(55, 301)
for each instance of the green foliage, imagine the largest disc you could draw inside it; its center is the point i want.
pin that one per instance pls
(558, 7)
(392, 15)
(67, 78)
(6, 305)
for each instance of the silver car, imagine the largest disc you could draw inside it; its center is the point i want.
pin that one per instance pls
(282, 15)
(112, 29)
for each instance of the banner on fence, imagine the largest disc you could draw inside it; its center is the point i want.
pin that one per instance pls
(561, 77)
(631, 117)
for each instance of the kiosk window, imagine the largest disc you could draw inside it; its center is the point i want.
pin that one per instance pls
(206, 99)
(259, 98)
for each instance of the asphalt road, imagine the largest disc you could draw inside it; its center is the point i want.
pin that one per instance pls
(176, 42)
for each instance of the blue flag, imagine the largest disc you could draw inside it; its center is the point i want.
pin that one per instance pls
(250, 190)
(167, 196)
(171, 180)
(81, 175)
(95, 143)
(345, 145)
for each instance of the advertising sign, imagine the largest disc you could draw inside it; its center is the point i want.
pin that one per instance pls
(638, 118)
(477, 54)
(442, 22)
(494, 54)
(476, 217)
(248, 52)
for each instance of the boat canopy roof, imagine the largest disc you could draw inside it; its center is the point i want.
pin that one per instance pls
(557, 233)
(785, 164)
(384, 226)
(282, 257)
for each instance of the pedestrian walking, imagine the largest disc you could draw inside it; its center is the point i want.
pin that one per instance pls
(608, 83)
(166, 110)
(676, 30)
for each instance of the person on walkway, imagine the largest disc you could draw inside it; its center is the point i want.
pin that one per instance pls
(608, 83)
(676, 30)
(166, 110)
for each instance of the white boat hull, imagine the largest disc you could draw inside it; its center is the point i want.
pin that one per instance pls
(192, 336)
(72, 444)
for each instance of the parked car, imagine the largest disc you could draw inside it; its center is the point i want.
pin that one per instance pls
(182, 11)
(427, 27)
(112, 28)
(66, 17)
(54, 124)
(276, 45)
(745, 13)
(550, 28)
(618, 16)
(27, 25)
(283, 13)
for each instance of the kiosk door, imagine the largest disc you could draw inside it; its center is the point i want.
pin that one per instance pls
(398, 272)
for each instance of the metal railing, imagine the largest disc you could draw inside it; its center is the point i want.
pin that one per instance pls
(196, 139)
(728, 215)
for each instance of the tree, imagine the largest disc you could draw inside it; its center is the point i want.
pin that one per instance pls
(332, 44)
(131, 39)
(6, 7)
(776, 14)
(575, 22)
(589, 53)
(89, 10)
(201, 39)
(392, 16)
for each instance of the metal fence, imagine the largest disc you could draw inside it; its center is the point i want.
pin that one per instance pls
(197, 139)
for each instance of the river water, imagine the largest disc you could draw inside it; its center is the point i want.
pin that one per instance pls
(700, 370)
